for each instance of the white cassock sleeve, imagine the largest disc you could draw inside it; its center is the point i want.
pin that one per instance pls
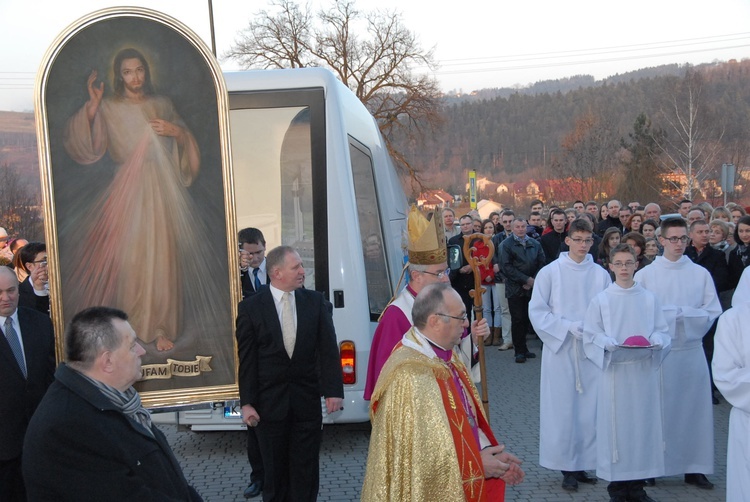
(594, 337)
(552, 328)
(731, 362)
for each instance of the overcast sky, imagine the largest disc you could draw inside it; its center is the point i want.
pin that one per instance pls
(478, 44)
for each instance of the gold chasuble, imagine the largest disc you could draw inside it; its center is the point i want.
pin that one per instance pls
(422, 446)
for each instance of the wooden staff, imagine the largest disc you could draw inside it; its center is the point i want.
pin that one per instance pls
(475, 262)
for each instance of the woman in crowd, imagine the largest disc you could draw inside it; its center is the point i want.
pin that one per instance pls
(603, 212)
(721, 213)
(648, 228)
(15, 247)
(610, 240)
(570, 215)
(638, 243)
(490, 297)
(718, 233)
(634, 223)
(740, 257)
(717, 236)
(736, 211)
(651, 250)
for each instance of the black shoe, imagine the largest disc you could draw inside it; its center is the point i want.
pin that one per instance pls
(253, 490)
(569, 483)
(582, 477)
(641, 497)
(520, 358)
(650, 481)
(530, 355)
(699, 480)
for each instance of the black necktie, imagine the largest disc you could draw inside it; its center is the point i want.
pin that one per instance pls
(257, 281)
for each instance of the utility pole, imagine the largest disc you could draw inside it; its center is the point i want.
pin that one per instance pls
(211, 23)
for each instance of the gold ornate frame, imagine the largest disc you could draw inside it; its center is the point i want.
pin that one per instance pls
(177, 379)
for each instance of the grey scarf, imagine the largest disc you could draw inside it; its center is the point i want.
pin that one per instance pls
(129, 403)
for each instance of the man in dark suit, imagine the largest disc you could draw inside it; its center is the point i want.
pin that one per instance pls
(253, 277)
(253, 270)
(27, 366)
(34, 292)
(288, 358)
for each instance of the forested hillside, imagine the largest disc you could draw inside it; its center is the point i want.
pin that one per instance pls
(532, 134)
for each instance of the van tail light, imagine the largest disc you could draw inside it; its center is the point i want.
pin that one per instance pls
(348, 356)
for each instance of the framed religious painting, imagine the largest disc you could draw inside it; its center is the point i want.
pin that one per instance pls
(132, 122)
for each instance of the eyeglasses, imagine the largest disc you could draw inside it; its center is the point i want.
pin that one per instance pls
(675, 240)
(461, 318)
(583, 241)
(439, 275)
(620, 264)
(42, 263)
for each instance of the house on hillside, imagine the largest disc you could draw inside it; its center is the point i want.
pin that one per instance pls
(485, 207)
(532, 189)
(434, 199)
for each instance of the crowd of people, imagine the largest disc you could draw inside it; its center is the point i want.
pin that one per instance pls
(625, 301)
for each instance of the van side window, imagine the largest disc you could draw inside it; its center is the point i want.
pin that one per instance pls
(371, 234)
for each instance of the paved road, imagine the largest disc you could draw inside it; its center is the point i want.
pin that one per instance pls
(216, 463)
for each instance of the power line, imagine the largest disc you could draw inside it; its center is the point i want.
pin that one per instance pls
(714, 38)
(593, 52)
(580, 62)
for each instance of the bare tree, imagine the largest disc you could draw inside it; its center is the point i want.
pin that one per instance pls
(19, 209)
(280, 40)
(372, 53)
(588, 157)
(692, 140)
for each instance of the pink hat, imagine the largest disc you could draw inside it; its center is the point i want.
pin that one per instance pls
(637, 341)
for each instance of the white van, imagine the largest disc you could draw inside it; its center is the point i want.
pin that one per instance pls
(312, 171)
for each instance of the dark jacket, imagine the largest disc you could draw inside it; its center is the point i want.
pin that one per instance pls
(462, 283)
(552, 243)
(519, 262)
(607, 223)
(247, 280)
(739, 258)
(80, 447)
(19, 397)
(498, 239)
(275, 385)
(714, 261)
(27, 298)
